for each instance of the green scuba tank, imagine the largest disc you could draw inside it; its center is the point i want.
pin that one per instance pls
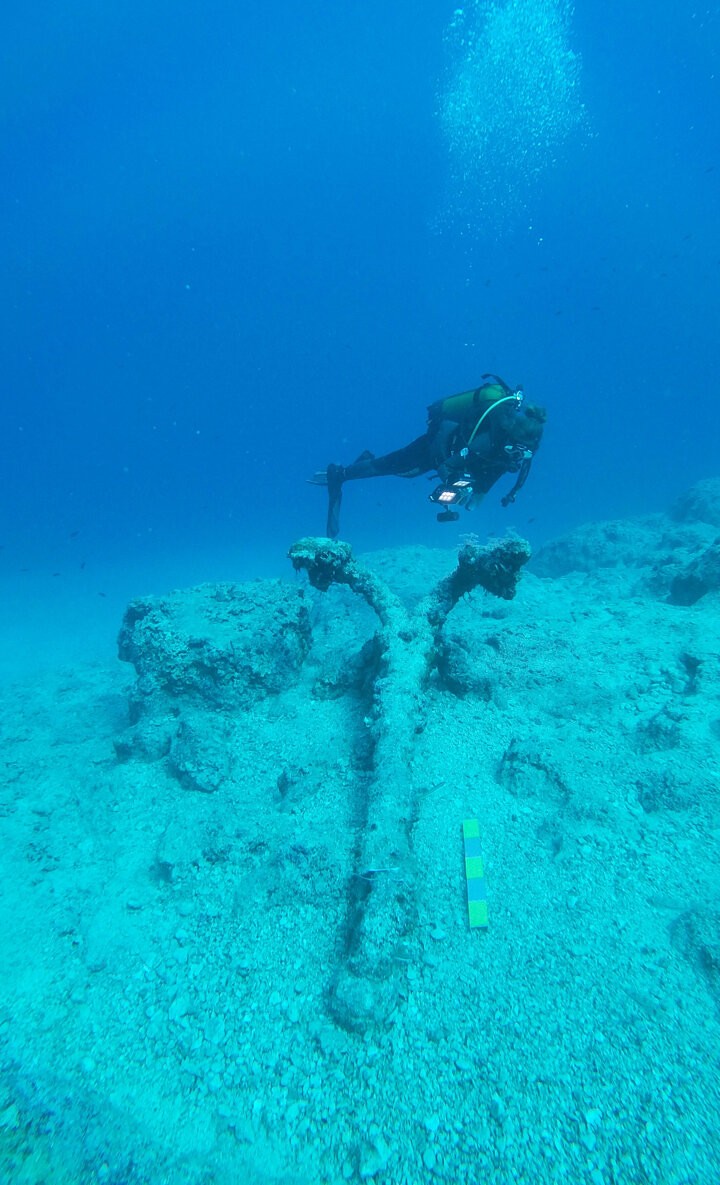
(474, 406)
(471, 405)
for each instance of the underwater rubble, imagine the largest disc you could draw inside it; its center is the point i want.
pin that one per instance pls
(235, 902)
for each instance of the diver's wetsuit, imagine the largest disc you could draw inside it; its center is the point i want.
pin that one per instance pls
(437, 449)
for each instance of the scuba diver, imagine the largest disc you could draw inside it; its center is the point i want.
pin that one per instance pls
(472, 440)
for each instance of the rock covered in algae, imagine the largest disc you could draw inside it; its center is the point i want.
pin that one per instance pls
(222, 645)
(217, 648)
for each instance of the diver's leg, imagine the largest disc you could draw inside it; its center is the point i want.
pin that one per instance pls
(410, 461)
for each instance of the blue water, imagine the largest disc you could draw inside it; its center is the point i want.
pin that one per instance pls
(228, 259)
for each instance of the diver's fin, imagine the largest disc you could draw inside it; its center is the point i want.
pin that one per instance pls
(364, 456)
(318, 479)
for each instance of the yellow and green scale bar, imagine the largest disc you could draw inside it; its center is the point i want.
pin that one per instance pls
(475, 874)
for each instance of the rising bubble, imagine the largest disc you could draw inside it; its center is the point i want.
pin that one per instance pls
(509, 102)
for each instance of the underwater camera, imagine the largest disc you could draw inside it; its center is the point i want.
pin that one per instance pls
(451, 497)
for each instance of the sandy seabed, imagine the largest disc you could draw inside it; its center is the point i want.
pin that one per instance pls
(175, 891)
